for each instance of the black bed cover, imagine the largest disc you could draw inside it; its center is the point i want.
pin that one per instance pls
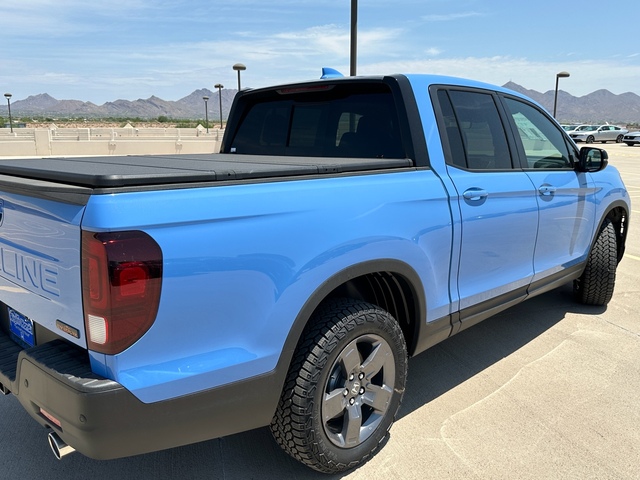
(147, 170)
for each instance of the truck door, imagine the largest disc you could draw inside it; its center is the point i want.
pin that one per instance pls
(496, 201)
(566, 198)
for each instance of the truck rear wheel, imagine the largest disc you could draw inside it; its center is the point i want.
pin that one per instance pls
(344, 386)
(595, 286)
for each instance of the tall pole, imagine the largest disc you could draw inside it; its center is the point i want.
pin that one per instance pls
(219, 86)
(555, 98)
(239, 67)
(8, 97)
(354, 37)
(206, 111)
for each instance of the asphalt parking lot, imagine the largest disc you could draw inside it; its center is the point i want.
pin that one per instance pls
(547, 389)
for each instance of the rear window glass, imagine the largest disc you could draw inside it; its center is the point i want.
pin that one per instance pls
(474, 131)
(354, 120)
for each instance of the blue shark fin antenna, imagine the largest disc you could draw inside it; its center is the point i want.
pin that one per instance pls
(330, 73)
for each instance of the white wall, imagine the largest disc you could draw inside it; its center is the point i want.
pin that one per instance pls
(41, 142)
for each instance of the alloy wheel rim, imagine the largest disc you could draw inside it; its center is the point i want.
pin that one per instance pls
(358, 391)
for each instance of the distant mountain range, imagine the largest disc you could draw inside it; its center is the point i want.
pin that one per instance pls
(189, 107)
(597, 107)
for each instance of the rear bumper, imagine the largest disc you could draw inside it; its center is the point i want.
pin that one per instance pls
(103, 420)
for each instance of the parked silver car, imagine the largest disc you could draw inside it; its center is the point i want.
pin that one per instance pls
(598, 133)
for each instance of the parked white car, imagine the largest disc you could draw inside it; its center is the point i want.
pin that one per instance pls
(598, 133)
(632, 138)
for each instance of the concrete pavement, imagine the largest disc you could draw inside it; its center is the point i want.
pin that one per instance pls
(548, 389)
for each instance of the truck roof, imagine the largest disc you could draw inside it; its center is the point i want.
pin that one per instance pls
(422, 80)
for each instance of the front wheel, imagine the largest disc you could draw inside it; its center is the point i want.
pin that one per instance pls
(590, 139)
(344, 386)
(595, 286)
(619, 138)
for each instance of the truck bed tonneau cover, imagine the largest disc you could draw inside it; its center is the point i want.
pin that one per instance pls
(123, 171)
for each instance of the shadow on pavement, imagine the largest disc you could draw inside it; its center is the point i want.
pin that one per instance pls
(24, 452)
(464, 355)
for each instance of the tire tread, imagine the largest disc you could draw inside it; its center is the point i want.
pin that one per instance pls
(597, 283)
(291, 426)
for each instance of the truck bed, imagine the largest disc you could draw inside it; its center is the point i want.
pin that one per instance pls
(148, 170)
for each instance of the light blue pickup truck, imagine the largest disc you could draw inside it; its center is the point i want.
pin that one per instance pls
(347, 224)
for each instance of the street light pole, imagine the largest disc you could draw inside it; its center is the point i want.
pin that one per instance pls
(354, 37)
(219, 86)
(8, 97)
(239, 67)
(206, 111)
(555, 98)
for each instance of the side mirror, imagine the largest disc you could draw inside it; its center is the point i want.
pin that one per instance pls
(592, 159)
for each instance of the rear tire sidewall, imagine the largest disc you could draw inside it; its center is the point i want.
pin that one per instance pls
(298, 425)
(348, 456)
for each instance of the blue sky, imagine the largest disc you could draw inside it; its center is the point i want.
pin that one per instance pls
(130, 49)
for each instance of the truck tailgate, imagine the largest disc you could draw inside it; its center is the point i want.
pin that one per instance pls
(40, 284)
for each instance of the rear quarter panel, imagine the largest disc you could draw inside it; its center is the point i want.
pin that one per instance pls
(240, 261)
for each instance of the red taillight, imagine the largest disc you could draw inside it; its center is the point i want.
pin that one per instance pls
(121, 283)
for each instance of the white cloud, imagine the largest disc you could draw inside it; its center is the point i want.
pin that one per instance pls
(169, 48)
(433, 51)
(586, 77)
(450, 16)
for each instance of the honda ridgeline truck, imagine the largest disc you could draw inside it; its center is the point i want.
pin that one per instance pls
(347, 224)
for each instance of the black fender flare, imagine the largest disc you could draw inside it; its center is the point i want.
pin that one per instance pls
(341, 277)
(621, 233)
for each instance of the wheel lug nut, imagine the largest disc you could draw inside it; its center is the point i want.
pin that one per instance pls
(362, 391)
(346, 392)
(351, 377)
(352, 401)
(361, 376)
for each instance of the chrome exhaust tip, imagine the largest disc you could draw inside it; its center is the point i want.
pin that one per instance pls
(58, 447)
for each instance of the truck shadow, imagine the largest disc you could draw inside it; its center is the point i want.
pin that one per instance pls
(464, 355)
(254, 454)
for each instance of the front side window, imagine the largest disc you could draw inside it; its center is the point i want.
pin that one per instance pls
(543, 143)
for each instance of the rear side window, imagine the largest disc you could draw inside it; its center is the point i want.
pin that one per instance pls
(474, 131)
(346, 121)
(543, 143)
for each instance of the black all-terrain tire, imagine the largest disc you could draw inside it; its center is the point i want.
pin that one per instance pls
(595, 286)
(344, 386)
